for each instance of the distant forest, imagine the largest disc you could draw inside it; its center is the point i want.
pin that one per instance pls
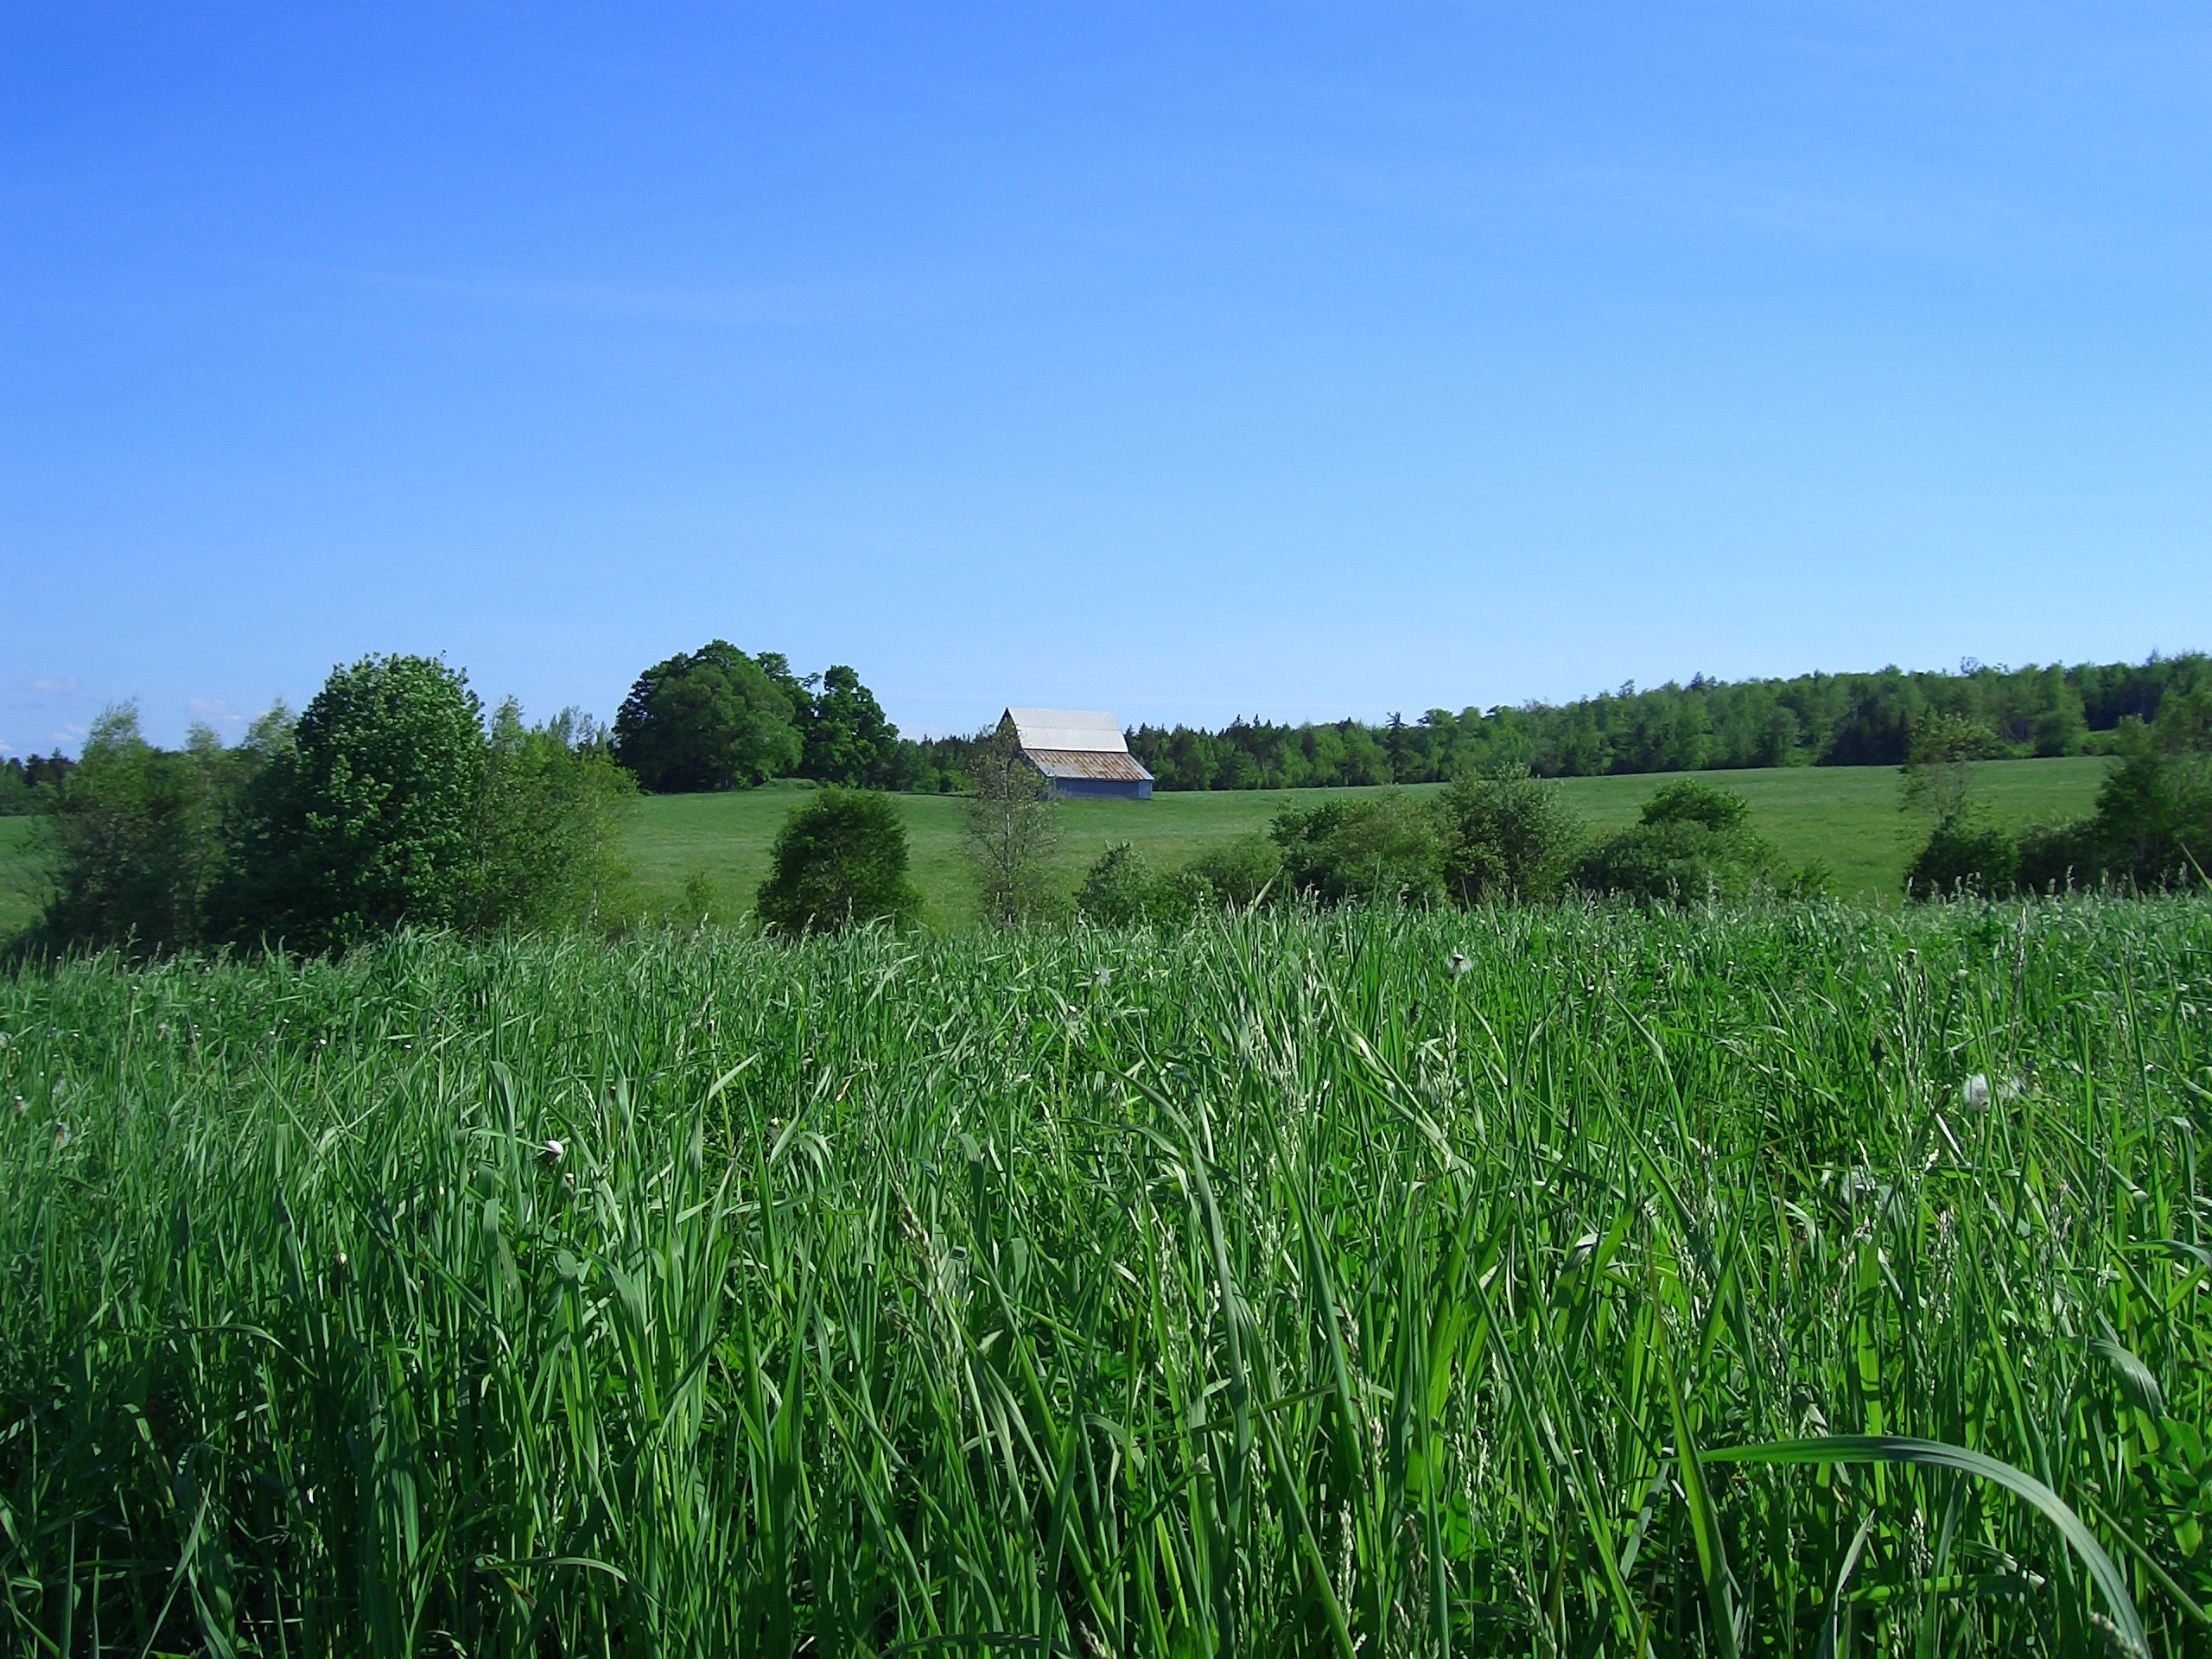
(719, 719)
(1823, 720)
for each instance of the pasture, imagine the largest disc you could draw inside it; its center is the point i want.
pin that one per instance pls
(1554, 1281)
(1845, 817)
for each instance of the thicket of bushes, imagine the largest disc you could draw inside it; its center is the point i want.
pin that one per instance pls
(390, 799)
(2151, 826)
(1498, 837)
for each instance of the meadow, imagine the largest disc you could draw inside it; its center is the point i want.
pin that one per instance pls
(1845, 817)
(1812, 1278)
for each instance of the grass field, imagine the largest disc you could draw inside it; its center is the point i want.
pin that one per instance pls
(1547, 1281)
(1845, 817)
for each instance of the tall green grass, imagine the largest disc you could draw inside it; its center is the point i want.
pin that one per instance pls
(1366, 1283)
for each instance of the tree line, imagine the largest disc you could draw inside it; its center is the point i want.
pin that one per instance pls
(718, 718)
(1841, 719)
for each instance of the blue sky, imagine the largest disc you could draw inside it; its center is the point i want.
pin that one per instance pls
(1181, 361)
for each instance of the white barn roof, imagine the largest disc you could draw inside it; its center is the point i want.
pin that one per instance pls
(1090, 730)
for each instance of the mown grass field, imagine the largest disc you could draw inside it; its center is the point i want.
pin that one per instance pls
(1370, 1282)
(1845, 817)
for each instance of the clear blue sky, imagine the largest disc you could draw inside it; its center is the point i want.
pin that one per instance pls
(1178, 359)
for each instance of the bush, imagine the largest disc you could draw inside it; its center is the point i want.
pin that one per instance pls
(1386, 846)
(1692, 842)
(1239, 873)
(1118, 890)
(371, 817)
(1508, 835)
(140, 836)
(550, 823)
(2055, 857)
(840, 859)
(1966, 853)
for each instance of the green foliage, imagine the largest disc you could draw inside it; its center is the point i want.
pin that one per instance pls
(1237, 873)
(1387, 848)
(700, 898)
(1121, 888)
(711, 719)
(1691, 843)
(2153, 824)
(1012, 825)
(371, 817)
(385, 804)
(1508, 835)
(1118, 890)
(1966, 853)
(1854, 720)
(550, 823)
(32, 785)
(1939, 768)
(2056, 857)
(139, 838)
(839, 861)
(1303, 1281)
(848, 740)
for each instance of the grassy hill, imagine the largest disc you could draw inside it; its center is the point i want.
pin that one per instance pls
(1846, 817)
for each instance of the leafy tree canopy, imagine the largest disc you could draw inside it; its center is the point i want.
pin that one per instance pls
(1387, 846)
(848, 739)
(369, 817)
(386, 803)
(711, 719)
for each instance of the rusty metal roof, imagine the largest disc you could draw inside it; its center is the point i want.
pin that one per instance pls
(1090, 730)
(1088, 763)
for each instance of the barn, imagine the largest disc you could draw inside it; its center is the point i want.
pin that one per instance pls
(1081, 750)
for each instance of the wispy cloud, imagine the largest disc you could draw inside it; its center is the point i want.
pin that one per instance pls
(51, 687)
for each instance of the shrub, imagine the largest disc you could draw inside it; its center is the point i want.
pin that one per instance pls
(372, 817)
(1966, 853)
(1386, 846)
(1118, 888)
(1692, 842)
(139, 836)
(550, 822)
(2056, 856)
(1239, 871)
(1508, 835)
(840, 859)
